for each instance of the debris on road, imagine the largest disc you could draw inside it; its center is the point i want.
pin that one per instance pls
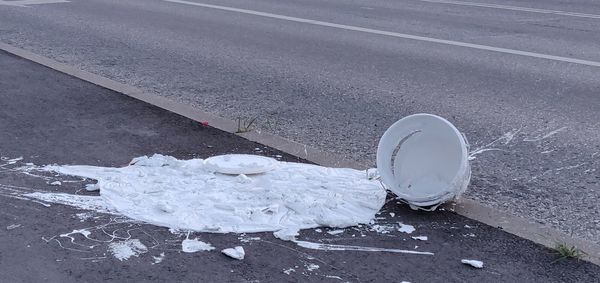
(163, 190)
(237, 252)
(473, 263)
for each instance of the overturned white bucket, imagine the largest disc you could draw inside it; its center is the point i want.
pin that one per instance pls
(423, 159)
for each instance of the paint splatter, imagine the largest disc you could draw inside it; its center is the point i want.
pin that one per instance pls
(158, 259)
(124, 250)
(405, 228)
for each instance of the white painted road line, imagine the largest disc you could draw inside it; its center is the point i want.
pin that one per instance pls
(26, 3)
(515, 8)
(394, 34)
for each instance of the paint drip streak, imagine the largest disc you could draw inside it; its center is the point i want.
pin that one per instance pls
(331, 247)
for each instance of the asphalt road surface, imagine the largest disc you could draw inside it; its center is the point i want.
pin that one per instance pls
(49, 117)
(520, 79)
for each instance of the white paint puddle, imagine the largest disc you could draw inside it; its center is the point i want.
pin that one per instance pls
(188, 196)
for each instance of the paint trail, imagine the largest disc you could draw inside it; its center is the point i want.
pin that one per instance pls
(331, 247)
(83, 202)
(13, 226)
(543, 137)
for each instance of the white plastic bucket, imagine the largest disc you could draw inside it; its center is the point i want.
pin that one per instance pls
(423, 159)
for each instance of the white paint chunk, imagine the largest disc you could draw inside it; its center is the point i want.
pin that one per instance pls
(392, 214)
(420, 238)
(92, 187)
(56, 183)
(289, 271)
(158, 259)
(237, 252)
(473, 263)
(405, 228)
(194, 245)
(126, 249)
(335, 232)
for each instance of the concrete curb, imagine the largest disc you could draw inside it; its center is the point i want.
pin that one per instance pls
(469, 208)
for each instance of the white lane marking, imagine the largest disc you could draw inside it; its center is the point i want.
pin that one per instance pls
(515, 8)
(395, 34)
(26, 3)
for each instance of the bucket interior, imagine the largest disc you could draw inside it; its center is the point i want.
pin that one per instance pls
(421, 156)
